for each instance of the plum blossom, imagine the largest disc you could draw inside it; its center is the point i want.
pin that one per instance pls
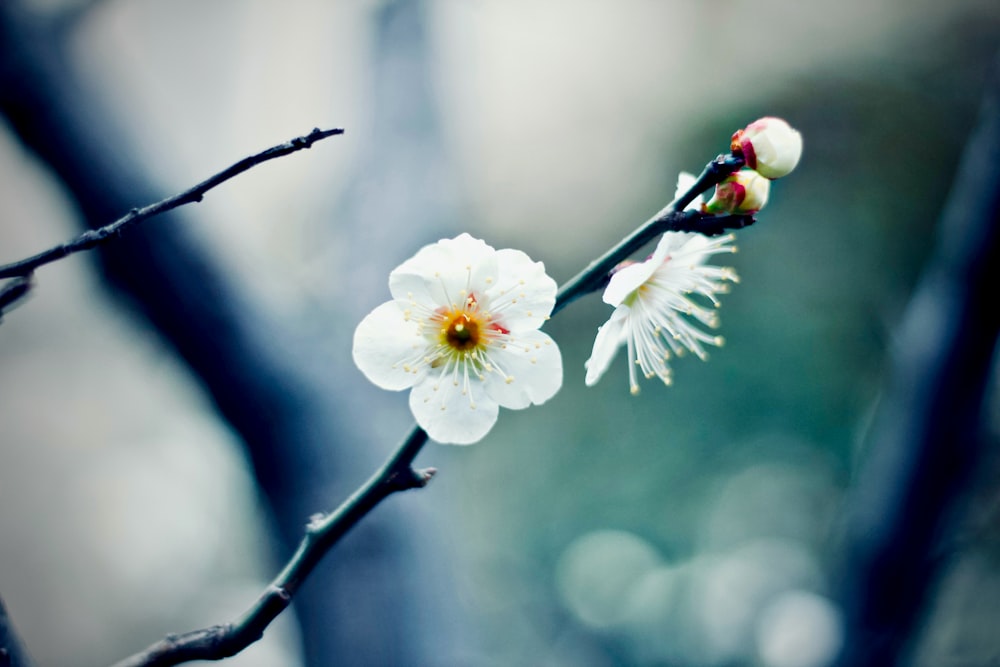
(662, 303)
(462, 332)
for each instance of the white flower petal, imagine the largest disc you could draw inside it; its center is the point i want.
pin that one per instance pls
(660, 306)
(610, 337)
(524, 294)
(443, 273)
(386, 346)
(684, 183)
(409, 280)
(632, 277)
(771, 146)
(450, 417)
(627, 280)
(528, 370)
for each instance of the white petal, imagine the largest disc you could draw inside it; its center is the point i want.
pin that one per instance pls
(684, 183)
(450, 417)
(631, 278)
(697, 249)
(527, 371)
(523, 295)
(443, 273)
(610, 337)
(384, 343)
(627, 280)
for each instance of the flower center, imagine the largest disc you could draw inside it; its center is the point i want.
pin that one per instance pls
(464, 330)
(461, 332)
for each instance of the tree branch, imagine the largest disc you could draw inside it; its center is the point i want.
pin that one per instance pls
(259, 370)
(672, 218)
(397, 474)
(94, 237)
(12, 653)
(322, 533)
(927, 436)
(15, 290)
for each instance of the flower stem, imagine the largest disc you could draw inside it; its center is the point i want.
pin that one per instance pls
(671, 217)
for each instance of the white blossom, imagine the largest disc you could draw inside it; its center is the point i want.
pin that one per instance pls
(462, 331)
(662, 304)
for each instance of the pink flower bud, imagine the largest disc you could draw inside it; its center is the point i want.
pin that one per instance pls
(744, 192)
(768, 145)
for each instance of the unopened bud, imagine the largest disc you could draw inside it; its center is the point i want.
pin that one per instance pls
(769, 145)
(744, 192)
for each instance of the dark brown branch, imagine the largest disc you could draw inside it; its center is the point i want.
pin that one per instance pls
(94, 237)
(322, 533)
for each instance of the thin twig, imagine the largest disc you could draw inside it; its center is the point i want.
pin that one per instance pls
(223, 641)
(671, 218)
(397, 474)
(13, 291)
(94, 237)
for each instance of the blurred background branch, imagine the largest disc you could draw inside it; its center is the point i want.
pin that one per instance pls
(304, 447)
(928, 437)
(12, 653)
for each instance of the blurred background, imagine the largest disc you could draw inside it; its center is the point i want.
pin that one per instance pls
(692, 525)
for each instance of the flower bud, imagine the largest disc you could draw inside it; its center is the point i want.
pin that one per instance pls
(769, 145)
(744, 192)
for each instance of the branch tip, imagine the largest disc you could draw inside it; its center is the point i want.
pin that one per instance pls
(426, 475)
(315, 522)
(92, 238)
(408, 478)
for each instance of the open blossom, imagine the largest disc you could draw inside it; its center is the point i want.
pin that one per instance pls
(462, 331)
(662, 303)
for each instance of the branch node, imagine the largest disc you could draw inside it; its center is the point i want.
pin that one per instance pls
(726, 164)
(14, 291)
(404, 480)
(426, 475)
(281, 592)
(315, 522)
